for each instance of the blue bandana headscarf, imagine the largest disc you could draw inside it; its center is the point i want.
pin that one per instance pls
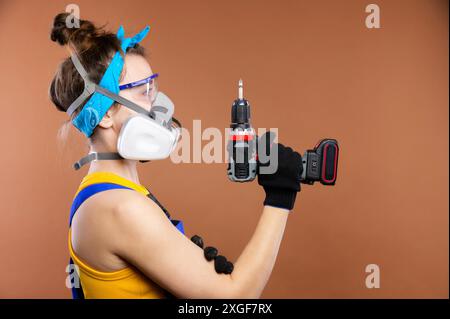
(98, 104)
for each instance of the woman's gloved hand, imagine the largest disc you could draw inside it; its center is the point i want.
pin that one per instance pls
(281, 186)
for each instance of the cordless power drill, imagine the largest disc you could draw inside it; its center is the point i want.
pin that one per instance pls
(319, 164)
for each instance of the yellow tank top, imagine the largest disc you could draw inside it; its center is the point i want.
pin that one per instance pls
(126, 283)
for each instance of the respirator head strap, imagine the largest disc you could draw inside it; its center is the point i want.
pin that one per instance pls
(91, 87)
(123, 101)
(94, 157)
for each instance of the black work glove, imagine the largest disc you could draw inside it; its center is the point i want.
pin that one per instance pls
(281, 187)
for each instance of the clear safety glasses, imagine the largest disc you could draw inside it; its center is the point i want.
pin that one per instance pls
(142, 92)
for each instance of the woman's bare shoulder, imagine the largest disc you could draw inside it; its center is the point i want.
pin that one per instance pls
(113, 203)
(95, 233)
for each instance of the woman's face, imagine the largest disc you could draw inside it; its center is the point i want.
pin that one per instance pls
(135, 68)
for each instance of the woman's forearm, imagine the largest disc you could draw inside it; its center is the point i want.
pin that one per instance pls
(254, 266)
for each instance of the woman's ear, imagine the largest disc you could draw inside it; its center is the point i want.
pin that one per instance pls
(107, 120)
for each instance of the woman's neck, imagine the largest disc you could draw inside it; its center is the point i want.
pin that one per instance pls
(124, 168)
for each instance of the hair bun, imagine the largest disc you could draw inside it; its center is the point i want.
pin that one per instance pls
(79, 37)
(60, 33)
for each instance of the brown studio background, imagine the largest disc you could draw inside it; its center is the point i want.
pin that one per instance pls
(311, 69)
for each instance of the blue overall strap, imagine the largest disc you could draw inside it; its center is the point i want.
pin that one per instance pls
(77, 292)
(178, 224)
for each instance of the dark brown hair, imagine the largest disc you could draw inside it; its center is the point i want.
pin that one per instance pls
(95, 48)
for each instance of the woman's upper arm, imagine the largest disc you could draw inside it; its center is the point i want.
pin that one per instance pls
(148, 240)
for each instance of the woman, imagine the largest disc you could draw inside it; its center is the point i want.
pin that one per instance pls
(122, 241)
